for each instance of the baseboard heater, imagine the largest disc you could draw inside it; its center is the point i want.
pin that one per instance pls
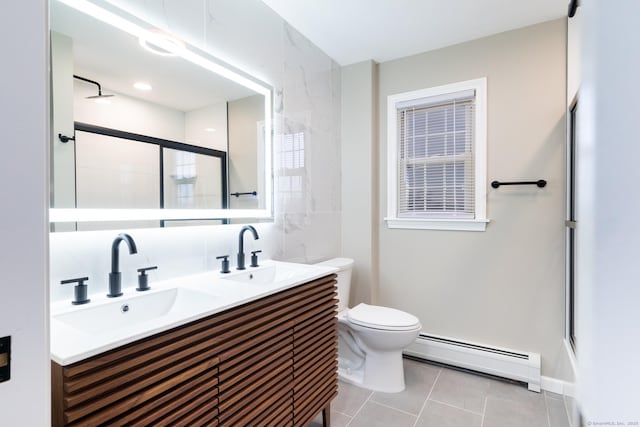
(501, 362)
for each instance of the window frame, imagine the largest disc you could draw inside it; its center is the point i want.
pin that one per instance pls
(479, 222)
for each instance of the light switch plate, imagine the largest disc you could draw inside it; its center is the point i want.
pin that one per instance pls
(5, 359)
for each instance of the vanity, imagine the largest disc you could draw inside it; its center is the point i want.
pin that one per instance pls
(257, 347)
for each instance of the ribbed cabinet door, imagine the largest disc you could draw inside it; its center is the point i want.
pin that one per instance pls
(170, 379)
(315, 359)
(256, 374)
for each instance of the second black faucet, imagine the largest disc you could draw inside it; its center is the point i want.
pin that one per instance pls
(241, 244)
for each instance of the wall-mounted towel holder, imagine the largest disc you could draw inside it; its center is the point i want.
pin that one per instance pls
(65, 139)
(248, 193)
(540, 183)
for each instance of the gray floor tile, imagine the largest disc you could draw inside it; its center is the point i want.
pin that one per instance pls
(337, 420)
(460, 389)
(501, 412)
(350, 398)
(375, 415)
(457, 399)
(514, 404)
(419, 379)
(531, 400)
(557, 412)
(440, 415)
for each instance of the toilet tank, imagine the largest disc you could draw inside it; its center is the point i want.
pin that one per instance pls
(344, 266)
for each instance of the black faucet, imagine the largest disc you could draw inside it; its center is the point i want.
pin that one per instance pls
(115, 277)
(241, 245)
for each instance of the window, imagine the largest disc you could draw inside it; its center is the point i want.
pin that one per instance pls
(291, 181)
(185, 178)
(436, 168)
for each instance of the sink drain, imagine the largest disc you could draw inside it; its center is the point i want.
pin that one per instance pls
(124, 308)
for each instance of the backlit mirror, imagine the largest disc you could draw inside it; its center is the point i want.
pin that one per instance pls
(149, 130)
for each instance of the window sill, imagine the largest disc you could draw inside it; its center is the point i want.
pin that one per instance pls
(438, 224)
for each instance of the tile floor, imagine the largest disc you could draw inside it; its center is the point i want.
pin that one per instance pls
(443, 397)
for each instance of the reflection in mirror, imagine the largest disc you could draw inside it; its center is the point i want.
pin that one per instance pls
(192, 180)
(117, 169)
(136, 130)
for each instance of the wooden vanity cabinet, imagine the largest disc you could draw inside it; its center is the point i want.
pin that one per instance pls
(270, 362)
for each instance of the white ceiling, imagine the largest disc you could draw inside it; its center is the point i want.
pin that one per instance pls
(351, 31)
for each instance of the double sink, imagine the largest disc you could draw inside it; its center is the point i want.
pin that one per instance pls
(79, 332)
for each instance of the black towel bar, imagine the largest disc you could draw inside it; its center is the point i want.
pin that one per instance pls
(248, 193)
(540, 183)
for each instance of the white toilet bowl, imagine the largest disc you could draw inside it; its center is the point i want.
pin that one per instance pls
(371, 339)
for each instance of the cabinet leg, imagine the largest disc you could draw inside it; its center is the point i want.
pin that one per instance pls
(326, 416)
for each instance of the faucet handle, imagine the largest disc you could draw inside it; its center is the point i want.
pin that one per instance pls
(143, 279)
(79, 290)
(224, 265)
(254, 258)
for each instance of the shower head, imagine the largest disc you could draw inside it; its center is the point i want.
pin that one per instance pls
(100, 95)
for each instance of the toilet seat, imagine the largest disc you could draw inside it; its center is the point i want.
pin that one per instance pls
(384, 318)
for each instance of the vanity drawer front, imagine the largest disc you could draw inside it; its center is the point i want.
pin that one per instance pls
(174, 392)
(172, 376)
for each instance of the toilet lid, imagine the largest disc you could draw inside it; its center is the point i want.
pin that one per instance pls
(373, 316)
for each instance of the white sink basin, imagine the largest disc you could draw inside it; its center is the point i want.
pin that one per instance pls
(269, 274)
(79, 332)
(128, 312)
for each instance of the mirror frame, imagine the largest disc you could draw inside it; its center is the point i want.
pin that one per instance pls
(201, 59)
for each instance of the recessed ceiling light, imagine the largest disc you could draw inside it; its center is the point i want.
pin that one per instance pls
(142, 86)
(160, 43)
(209, 129)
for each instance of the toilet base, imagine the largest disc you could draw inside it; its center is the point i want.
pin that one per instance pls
(350, 376)
(382, 371)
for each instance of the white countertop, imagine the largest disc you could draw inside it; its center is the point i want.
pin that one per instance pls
(73, 341)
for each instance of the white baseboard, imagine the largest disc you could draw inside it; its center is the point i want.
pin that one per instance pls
(557, 386)
(501, 362)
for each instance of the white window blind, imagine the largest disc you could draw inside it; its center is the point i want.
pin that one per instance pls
(435, 156)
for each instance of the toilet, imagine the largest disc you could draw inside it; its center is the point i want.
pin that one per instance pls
(370, 338)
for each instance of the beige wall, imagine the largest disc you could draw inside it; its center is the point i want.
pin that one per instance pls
(359, 176)
(504, 286)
